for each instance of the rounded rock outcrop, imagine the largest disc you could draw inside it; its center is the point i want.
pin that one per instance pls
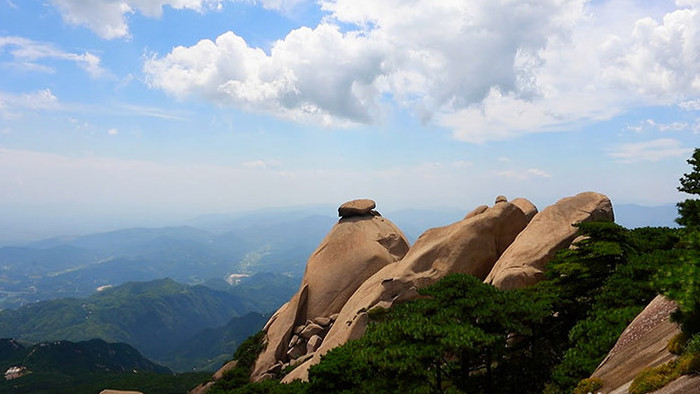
(470, 246)
(355, 248)
(522, 264)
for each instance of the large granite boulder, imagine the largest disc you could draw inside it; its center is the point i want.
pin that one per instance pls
(470, 246)
(522, 264)
(358, 246)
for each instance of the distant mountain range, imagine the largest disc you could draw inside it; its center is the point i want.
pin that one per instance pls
(83, 367)
(161, 318)
(207, 249)
(78, 266)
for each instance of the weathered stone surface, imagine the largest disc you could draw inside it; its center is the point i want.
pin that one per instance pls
(297, 351)
(295, 339)
(642, 344)
(313, 344)
(476, 211)
(311, 330)
(528, 208)
(549, 231)
(360, 207)
(354, 249)
(500, 199)
(686, 384)
(322, 321)
(227, 367)
(470, 246)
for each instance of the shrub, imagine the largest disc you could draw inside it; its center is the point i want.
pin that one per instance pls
(689, 363)
(677, 344)
(654, 378)
(589, 385)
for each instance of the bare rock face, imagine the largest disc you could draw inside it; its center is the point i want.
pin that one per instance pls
(360, 207)
(469, 246)
(528, 208)
(549, 231)
(359, 245)
(642, 344)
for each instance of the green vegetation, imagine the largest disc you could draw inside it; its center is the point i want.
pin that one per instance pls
(86, 367)
(588, 386)
(464, 335)
(156, 317)
(245, 357)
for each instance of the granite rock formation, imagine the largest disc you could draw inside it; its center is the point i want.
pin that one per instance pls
(470, 246)
(360, 244)
(365, 263)
(549, 231)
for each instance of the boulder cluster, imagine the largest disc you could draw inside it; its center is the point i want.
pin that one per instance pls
(306, 340)
(366, 262)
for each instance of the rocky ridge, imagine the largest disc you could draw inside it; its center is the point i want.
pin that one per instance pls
(365, 262)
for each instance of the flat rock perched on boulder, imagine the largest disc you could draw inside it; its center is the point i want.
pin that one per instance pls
(549, 231)
(471, 246)
(354, 249)
(360, 207)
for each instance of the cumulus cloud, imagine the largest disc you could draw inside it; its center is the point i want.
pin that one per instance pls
(107, 18)
(486, 70)
(394, 50)
(312, 75)
(27, 55)
(654, 150)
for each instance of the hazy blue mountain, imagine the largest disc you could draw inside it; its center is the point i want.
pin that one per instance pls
(77, 266)
(209, 349)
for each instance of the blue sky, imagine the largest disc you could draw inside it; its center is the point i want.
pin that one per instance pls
(162, 108)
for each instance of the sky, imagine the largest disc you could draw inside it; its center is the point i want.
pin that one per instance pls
(156, 109)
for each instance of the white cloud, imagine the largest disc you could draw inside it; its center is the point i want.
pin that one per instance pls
(107, 18)
(461, 164)
(13, 105)
(319, 75)
(28, 53)
(654, 150)
(677, 126)
(486, 70)
(523, 174)
(113, 131)
(690, 105)
(325, 75)
(262, 164)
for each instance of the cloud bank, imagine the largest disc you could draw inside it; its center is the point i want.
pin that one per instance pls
(484, 69)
